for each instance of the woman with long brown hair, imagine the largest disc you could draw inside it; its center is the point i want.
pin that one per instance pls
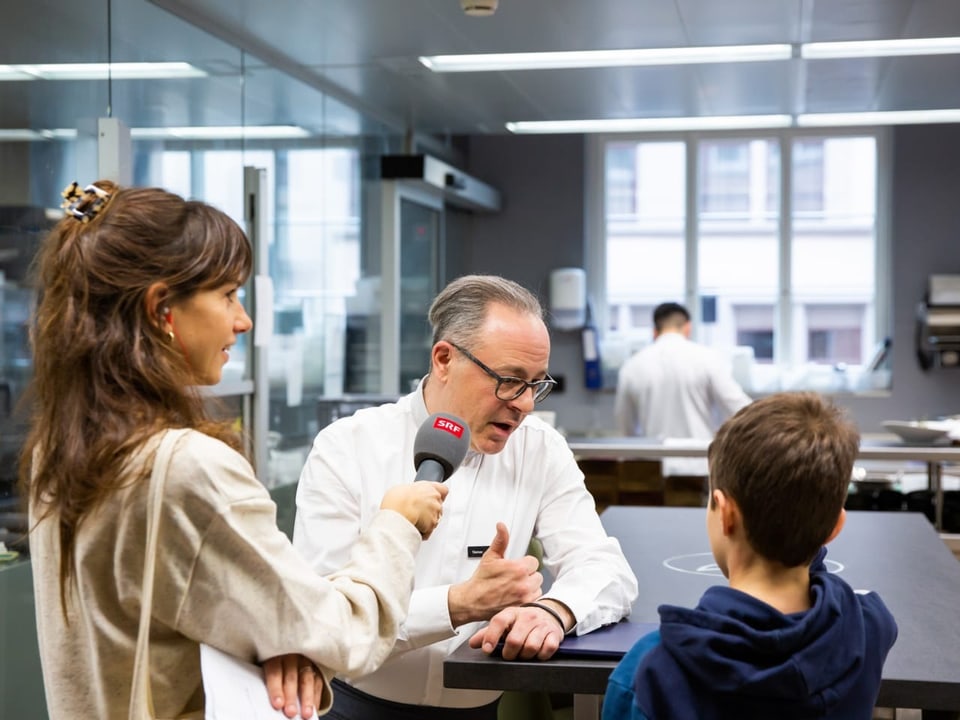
(137, 309)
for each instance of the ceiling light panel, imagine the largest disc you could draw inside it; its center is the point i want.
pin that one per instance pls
(736, 122)
(27, 134)
(889, 117)
(201, 132)
(488, 62)
(880, 48)
(11, 72)
(221, 132)
(101, 71)
(676, 124)
(501, 62)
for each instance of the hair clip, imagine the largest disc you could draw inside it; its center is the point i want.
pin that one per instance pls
(85, 205)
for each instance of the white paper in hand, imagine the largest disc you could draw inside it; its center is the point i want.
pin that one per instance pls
(234, 689)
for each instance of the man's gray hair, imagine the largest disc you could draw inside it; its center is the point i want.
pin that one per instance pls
(459, 311)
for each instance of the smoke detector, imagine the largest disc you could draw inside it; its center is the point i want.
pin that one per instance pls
(479, 8)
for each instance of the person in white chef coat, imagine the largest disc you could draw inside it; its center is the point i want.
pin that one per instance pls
(519, 480)
(676, 389)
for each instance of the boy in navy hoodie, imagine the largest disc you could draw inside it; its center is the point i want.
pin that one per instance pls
(786, 639)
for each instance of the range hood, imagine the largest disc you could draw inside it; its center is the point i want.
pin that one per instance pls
(458, 188)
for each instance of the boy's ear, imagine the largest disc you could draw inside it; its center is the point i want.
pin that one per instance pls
(729, 512)
(841, 519)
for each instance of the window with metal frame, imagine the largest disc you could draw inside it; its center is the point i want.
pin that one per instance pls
(783, 231)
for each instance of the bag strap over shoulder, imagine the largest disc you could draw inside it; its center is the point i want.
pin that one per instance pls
(141, 699)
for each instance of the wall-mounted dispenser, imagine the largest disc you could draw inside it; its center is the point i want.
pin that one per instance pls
(570, 310)
(592, 365)
(568, 298)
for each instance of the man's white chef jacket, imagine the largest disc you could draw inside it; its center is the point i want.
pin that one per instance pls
(534, 486)
(675, 388)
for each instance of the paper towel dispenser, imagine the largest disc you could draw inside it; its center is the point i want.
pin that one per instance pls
(938, 324)
(568, 298)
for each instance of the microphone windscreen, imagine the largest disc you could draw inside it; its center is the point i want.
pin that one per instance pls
(444, 438)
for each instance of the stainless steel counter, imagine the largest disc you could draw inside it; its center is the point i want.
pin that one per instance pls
(872, 447)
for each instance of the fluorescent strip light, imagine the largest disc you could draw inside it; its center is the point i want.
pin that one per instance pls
(677, 124)
(488, 62)
(252, 132)
(880, 48)
(222, 132)
(20, 134)
(894, 117)
(606, 58)
(619, 125)
(10, 72)
(101, 71)
(23, 134)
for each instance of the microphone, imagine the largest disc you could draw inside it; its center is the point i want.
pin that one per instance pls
(440, 446)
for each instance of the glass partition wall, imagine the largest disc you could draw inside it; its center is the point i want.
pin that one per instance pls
(198, 111)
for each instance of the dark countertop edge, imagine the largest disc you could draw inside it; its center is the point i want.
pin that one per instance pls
(589, 677)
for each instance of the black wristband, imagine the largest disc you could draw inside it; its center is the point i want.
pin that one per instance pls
(547, 608)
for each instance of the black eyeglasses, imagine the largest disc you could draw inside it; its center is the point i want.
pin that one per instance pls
(510, 388)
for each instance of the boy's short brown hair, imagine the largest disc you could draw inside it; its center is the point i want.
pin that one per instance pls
(786, 461)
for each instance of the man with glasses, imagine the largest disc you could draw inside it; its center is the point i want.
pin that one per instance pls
(488, 366)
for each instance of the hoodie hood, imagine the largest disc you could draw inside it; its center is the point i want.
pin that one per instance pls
(754, 661)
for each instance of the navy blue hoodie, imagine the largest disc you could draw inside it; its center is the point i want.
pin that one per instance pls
(734, 656)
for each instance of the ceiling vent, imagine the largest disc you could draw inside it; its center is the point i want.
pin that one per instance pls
(479, 8)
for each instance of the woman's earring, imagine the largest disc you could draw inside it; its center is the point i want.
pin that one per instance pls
(168, 316)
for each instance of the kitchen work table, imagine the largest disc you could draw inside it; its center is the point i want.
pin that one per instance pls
(872, 447)
(898, 555)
